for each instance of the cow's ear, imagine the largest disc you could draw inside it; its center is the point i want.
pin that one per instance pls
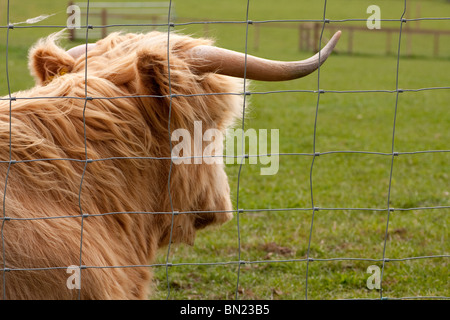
(47, 60)
(152, 71)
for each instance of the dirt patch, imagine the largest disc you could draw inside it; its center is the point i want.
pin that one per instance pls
(272, 247)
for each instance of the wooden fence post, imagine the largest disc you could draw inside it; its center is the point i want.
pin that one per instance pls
(418, 15)
(256, 37)
(206, 30)
(350, 41)
(316, 36)
(436, 44)
(408, 43)
(104, 23)
(309, 44)
(388, 42)
(154, 22)
(300, 37)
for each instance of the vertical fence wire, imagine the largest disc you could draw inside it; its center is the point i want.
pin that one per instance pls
(242, 152)
(86, 156)
(170, 143)
(388, 205)
(84, 214)
(9, 25)
(314, 154)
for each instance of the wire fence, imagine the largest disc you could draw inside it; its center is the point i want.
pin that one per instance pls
(170, 25)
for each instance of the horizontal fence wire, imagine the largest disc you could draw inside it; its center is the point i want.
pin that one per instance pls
(388, 210)
(178, 24)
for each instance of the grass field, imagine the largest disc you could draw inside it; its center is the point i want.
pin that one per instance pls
(349, 121)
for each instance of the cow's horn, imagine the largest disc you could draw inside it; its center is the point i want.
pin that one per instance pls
(78, 51)
(213, 59)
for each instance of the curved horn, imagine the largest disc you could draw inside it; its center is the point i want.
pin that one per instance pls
(231, 63)
(78, 51)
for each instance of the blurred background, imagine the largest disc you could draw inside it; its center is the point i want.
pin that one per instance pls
(352, 189)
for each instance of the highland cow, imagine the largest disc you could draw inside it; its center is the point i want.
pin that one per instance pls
(86, 160)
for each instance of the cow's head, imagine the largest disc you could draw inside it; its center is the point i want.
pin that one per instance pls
(173, 81)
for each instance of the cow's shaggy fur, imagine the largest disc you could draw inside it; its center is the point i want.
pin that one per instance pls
(52, 129)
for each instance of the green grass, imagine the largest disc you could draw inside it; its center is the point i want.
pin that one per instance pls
(345, 122)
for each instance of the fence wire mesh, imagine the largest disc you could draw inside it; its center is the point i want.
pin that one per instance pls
(170, 25)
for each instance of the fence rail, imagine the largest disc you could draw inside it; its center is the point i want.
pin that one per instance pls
(307, 43)
(308, 32)
(127, 13)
